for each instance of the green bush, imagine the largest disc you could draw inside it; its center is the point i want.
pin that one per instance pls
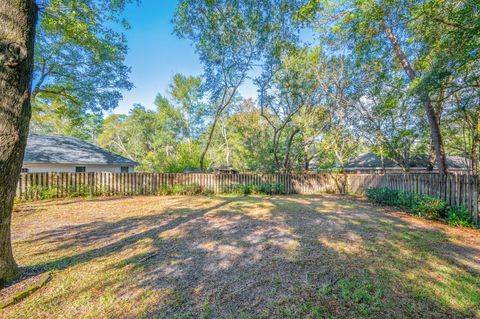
(421, 205)
(42, 192)
(164, 189)
(45, 192)
(430, 207)
(240, 189)
(178, 189)
(459, 216)
(237, 189)
(256, 189)
(79, 191)
(278, 188)
(268, 188)
(192, 189)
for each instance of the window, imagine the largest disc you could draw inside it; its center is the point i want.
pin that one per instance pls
(24, 170)
(124, 169)
(80, 169)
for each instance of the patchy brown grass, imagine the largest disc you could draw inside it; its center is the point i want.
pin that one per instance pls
(247, 257)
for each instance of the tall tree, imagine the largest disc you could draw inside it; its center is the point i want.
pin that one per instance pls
(79, 65)
(384, 34)
(290, 87)
(225, 38)
(388, 118)
(187, 96)
(230, 36)
(244, 141)
(18, 19)
(165, 139)
(17, 33)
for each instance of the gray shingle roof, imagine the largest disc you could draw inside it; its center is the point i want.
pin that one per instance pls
(370, 160)
(50, 148)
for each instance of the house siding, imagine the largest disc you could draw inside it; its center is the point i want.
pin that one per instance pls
(70, 168)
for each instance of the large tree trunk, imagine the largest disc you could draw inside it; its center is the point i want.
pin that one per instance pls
(17, 33)
(474, 156)
(306, 160)
(286, 161)
(432, 118)
(431, 158)
(207, 146)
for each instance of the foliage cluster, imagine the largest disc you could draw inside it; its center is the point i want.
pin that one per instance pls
(262, 189)
(178, 189)
(45, 192)
(377, 78)
(79, 65)
(421, 205)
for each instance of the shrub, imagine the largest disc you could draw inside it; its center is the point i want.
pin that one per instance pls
(420, 205)
(79, 191)
(256, 189)
(459, 216)
(240, 189)
(278, 188)
(178, 189)
(42, 192)
(429, 207)
(192, 189)
(237, 189)
(164, 189)
(268, 188)
(383, 196)
(45, 192)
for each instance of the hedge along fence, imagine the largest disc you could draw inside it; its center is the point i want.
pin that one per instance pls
(33, 186)
(456, 190)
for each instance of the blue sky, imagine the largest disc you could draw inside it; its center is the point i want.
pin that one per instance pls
(156, 54)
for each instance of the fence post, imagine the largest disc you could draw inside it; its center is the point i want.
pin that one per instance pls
(475, 200)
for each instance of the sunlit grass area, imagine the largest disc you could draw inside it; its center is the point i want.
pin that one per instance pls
(247, 257)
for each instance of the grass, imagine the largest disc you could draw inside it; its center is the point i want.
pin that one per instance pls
(247, 257)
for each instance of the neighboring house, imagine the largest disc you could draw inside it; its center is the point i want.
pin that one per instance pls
(66, 154)
(371, 163)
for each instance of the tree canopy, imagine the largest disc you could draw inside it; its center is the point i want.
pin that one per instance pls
(79, 65)
(396, 78)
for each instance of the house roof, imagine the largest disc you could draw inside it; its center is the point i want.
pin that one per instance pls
(224, 168)
(61, 149)
(370, 160)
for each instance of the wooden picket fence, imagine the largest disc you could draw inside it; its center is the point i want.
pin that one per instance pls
(32, 186)
(454, 189)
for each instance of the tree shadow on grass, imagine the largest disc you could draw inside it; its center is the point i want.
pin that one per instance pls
(271, 257)
(390, 265)
(100, 232)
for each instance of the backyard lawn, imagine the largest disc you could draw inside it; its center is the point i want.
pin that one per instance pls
(242, 257)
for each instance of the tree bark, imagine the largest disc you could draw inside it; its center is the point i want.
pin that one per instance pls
(306, 160)
(432, 118)
(286, 162)
(209, 141)
(225, 102)
(431, 158)
(17, 33)
(474, 156)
